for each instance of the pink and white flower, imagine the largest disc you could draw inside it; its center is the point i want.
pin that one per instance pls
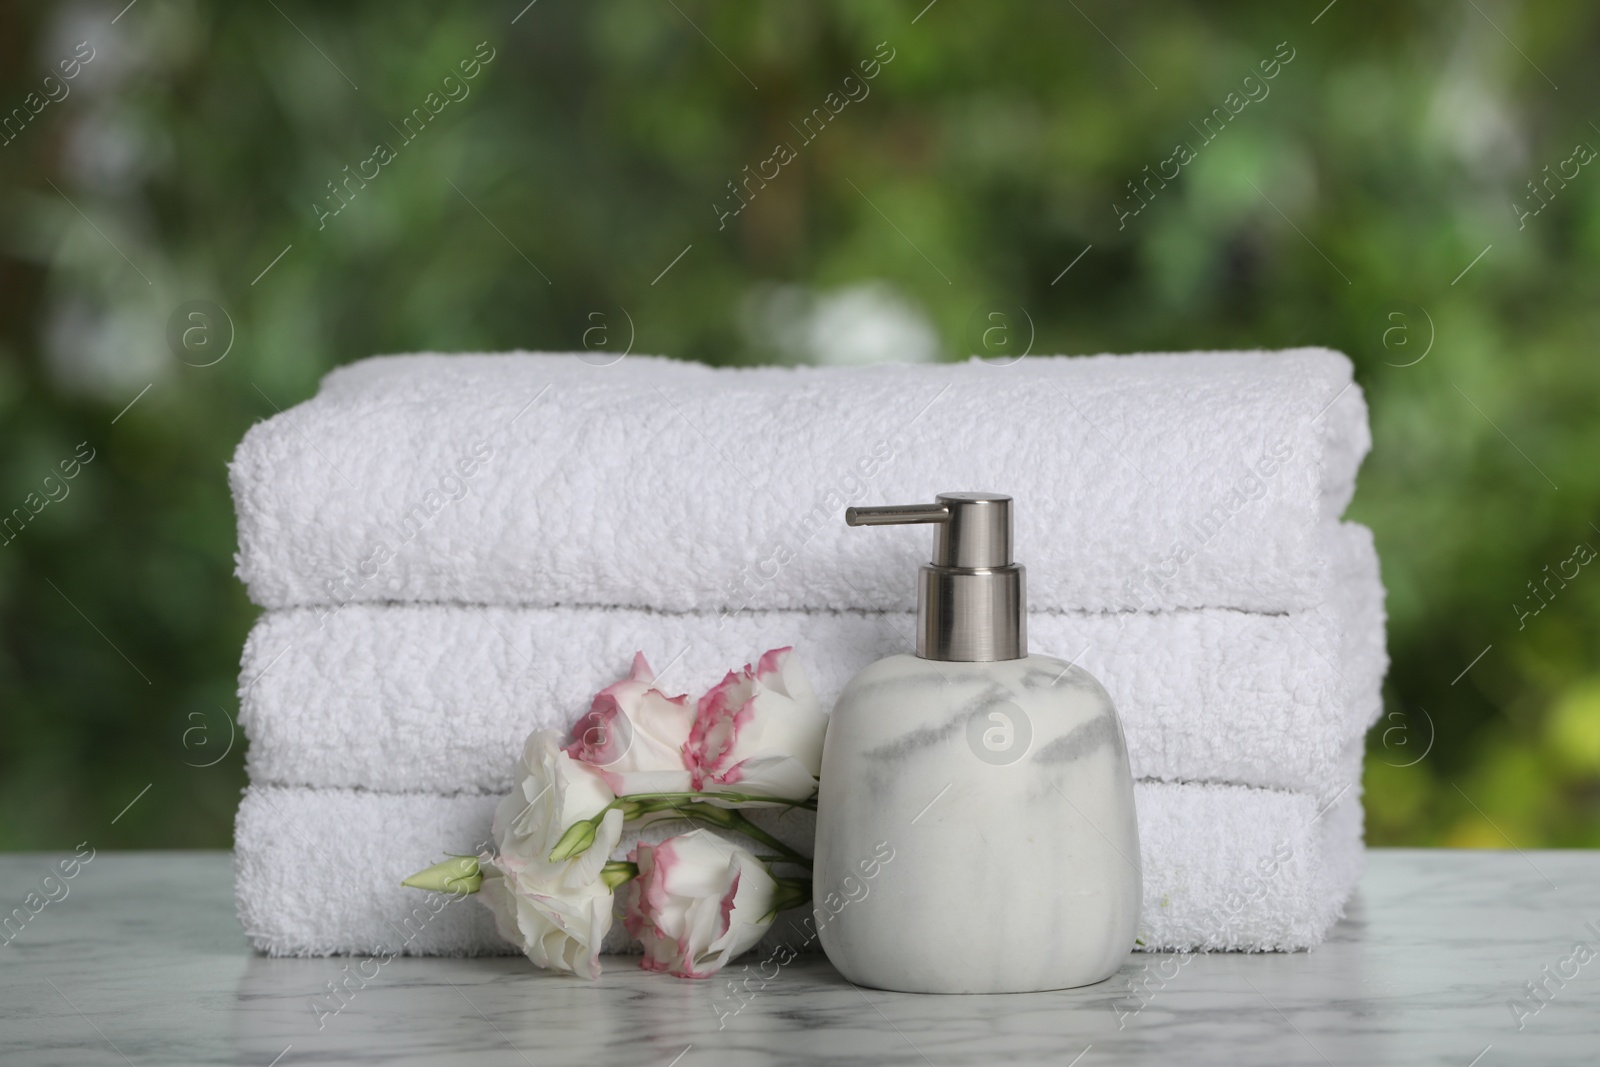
(697, 903)
(557, 927)
(554, 793)
(759, 732)
(634, 735)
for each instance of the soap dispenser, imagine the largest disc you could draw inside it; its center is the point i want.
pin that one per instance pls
(975, 822)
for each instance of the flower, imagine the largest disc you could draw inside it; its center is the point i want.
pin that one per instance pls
(556, 926)
(556, 794)
(634, 735)
(557, 910)
(697, 903)
(760, 731)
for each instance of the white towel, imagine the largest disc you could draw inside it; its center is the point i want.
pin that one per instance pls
(1225, 867)
(438, 698)
(1141, 482)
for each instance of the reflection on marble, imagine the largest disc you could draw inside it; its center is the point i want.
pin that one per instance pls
(143, 962)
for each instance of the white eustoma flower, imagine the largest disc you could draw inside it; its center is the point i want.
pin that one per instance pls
(634, 735)
(759, 732)
(558, 927)
(697, 903)
(555, 793)
(558, 911)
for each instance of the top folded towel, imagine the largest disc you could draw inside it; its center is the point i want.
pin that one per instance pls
(1142, 483)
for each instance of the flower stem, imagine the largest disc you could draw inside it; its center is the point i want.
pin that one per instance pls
(728, 819)
(581, 834)
(810, 803)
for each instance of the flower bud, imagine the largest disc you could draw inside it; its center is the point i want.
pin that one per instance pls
(759, 732)
(576, 841)
(697, 903)
(459, 874)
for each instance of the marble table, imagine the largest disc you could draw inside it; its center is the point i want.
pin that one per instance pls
(143, 962)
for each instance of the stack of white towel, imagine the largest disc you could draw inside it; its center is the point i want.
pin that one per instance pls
(455, 550)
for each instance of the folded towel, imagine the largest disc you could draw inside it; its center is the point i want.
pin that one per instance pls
(1225, 867)
(1142, 482)
(439, 697)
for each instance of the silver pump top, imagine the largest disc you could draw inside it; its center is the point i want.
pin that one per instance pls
(971, 599)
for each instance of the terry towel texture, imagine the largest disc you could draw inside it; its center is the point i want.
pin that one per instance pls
(454, 551)
(1142, 482)
(319, 871)
(439, 697)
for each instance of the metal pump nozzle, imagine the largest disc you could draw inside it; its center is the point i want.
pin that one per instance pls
(971, 604)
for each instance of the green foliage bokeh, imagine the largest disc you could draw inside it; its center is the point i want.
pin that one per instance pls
(1368, 202)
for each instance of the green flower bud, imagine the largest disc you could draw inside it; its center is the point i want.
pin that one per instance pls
(459, 874)
(575, 842)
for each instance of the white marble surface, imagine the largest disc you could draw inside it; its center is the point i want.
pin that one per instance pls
(144, 963)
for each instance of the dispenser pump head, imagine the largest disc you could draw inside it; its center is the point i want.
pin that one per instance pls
(971, 603)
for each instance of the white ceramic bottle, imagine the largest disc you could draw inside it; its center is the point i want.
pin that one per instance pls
(975, 822)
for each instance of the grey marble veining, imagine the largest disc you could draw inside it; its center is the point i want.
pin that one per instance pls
(143, 962)
(976, 830)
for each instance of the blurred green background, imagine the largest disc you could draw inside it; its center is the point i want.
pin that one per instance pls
(1376, 199)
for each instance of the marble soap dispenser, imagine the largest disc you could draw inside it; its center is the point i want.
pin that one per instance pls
(975, 822)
